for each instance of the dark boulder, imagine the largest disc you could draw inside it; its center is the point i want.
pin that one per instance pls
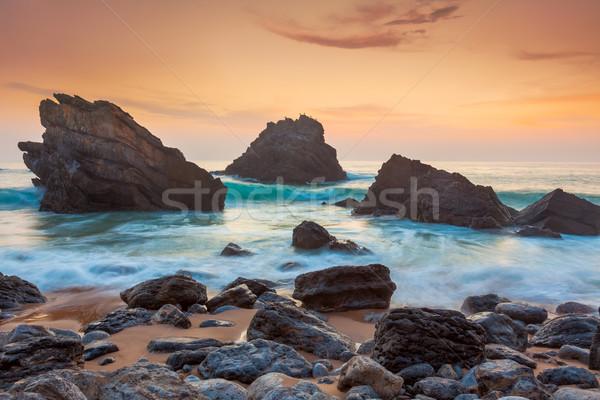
(573, 307)
(256, 286)
(171, 289)
(292, 150)
(118, 320)
(524, 312)
(501, 352)
(294, 326)
(569, 393)
(440, 388)
(234, 250)
(173, 344)
(562, 212)
(180, 358)
(407, 336)
(309, 235)
(15, 292)
(574, 329)
(171, 315)
(348, 202)
(238, 296)
(360, 371)
(98, 348)
(416, 372)
(460, 202)
(500, 329)
(95, 157)
(269, 297)
(534, 231)
(486, 302)
(345, 288)
(569, 375)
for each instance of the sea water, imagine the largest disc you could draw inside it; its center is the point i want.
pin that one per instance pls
(432, 264)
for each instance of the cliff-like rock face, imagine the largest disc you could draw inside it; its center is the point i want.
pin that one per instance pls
(294, 150)
(460, 202)
(95, 157)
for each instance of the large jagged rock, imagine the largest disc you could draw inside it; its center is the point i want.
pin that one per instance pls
(461, 202)
(95, 157)
(171, 289)
(345, 288)
(294, 150)
(562, 212)
(407, 336)
(15, 292)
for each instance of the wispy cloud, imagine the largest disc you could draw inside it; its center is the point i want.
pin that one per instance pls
(416, 17)
(537, 56)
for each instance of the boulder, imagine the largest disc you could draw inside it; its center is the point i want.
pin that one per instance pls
(94, 335)
(118, 320)
(361, 371)
(246, 361)
(233, 250)
(440, 388)
(89, 382)
(416, 372)
(98, 348)
(562, 212)
(573, 307)
(309, 235)
(527, 313)
(348, 202)
(269, 297)
(46, 386)
(345, 288)
(14, 292)
(220, 389)
(289, 324)
(181, 358)
(500, 329)
(501, 352)
(409, 188)
(573, 329)
(239, 296)
(534, 231)
(171, 315)
(276, 386)
(173, 344)
(569, 393)
(482, 303)
(292, 150)
(569, 375)
(256, 286)
(507, 377)
(568, 352)
(30, 350)
(171, 289)
(366, 348)
(361, 393)
(447, 371)
(407, 336)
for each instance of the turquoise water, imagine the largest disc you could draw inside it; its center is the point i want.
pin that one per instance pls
(433, 265)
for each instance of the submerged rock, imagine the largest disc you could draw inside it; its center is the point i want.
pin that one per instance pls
(95, 157)
(348, 202)
(293, 150)
(171, 289)
(407, 336)
(345, 288)
(534, 231)
(15, 292)
(234, 250)
(309, 235)
(460, 202)
(574, 329)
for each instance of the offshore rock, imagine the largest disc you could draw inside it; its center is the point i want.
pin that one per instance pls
(95, 157)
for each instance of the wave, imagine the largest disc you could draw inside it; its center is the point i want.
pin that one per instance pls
(18, 199)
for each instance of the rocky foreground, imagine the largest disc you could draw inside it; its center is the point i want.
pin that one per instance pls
(248, 342)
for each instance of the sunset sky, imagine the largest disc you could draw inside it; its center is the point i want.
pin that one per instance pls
(434, 80)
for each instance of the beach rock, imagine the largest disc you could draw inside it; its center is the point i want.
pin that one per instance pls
(348, 246)
(180, 358)
(569, 375)
(361, 371)
(95, 157)
(239, 296)
(460, 202)
(534, 231)
(407, 336)
(290, 266)
(507, 377)
(173, 344)
(501, 329)
(171, 289)
(310, 235)
(562, 212)
(594, 362)
(220, 389)
(98, 348)
(269, 297)
(345, 288)
(292, 150)
(14, 292)
(118, 320)
(527, 313)
(569, 352)
(348, 202)
(440, 388)
(94, 335)
(197, 309)
(363, 392)
(573, 329)
(106, 361)
(416, 372)
(294, 326)
(48, 386)
(171, 315)
(573, 307)
(482, 303)
(569, 393)
(233, 250)
(31, 350)
(216, 323)
(500, 352)
(475, 397)
(447, 371)
(246, 361)
(366, 348)
(256, 286)
(532, 328)
(222, 309)
(319, 370)
(276, 386)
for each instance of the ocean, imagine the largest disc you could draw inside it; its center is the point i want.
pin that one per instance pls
(432, 265)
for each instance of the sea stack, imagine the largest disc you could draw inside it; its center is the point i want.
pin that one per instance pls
(411, 189)
(95, 157)
(293, 150)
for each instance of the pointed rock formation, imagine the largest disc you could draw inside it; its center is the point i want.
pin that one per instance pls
(95, 157)
(294, 150)
(409, 188)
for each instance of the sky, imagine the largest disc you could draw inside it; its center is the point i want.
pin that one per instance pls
(465, 80)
